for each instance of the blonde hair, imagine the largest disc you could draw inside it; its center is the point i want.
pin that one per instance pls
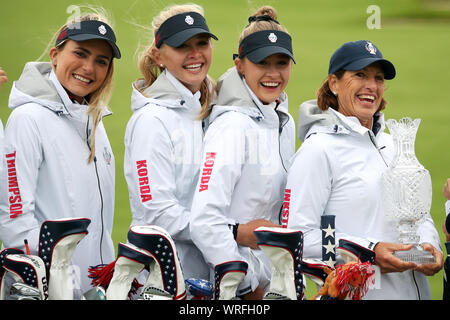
(151, 70)
(256, 26)
(98, 99)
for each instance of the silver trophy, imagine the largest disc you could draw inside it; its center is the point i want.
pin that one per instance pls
(407, 190)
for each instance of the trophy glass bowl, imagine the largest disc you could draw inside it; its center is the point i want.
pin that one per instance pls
(407, 190)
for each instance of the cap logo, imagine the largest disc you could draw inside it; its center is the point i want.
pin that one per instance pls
(63, 34)
(102, 29)
(371, 48)
(272, 37)
(189, 20)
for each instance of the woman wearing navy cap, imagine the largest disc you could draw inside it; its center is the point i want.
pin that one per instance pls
(163, 138)
(59, 159)
(246, 153)
(338, 168)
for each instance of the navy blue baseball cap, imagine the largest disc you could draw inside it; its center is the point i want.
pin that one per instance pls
(88, 30)
(180, 28)
(357, 55)
(259, 45)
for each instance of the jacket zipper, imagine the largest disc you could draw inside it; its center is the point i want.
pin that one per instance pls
(101, 209)
(100, 192)
(280, 130)
(372, 139)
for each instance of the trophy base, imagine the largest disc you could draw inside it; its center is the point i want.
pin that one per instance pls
(416, 254)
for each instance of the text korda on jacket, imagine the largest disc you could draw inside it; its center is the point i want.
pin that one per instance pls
(246, 155)
(46, 143)
(337, 171)
(163, 142)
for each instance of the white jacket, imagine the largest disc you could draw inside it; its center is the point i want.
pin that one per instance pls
(337, 171)
(246, 155)
(163, 142)
(46, 143)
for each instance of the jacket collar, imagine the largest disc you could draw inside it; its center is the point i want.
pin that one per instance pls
(235, 95)
(312, 120)
(166, 91)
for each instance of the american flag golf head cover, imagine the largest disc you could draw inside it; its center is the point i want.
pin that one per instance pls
(58, 240)
(351, 251)
(200, 289)
(165, 271)
(29, 270)
(284, 248)
(227, 277)
(315, 271)
(130, 261)
(3, 254)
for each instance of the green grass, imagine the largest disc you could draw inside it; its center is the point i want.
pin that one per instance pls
(414, 36)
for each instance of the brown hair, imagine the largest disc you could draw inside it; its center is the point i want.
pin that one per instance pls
(98, 99)
(327, 99)
(151, 70)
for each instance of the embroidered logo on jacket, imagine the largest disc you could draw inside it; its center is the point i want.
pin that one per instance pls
(286, 203)
(107, 155)
(15, 200)
(144, 186)
(207, 170)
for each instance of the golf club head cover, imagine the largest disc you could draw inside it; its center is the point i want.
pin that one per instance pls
(152, 293)
(284, 248)
(58, 240)
(227, 278)
(327, 225)
(165, 270)
(21, 291)
(315, 271)
(29, 270)
(3, 254)
(351, 251)
(130, 261)
(200, 289)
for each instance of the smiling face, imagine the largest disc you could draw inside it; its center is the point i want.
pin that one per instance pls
(359, 92)
(81, 67)
(189, 63)
(268, 78)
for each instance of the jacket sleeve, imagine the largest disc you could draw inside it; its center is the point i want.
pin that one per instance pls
(22, 158)
(223, 159)
(150, 174)
(309, 184)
